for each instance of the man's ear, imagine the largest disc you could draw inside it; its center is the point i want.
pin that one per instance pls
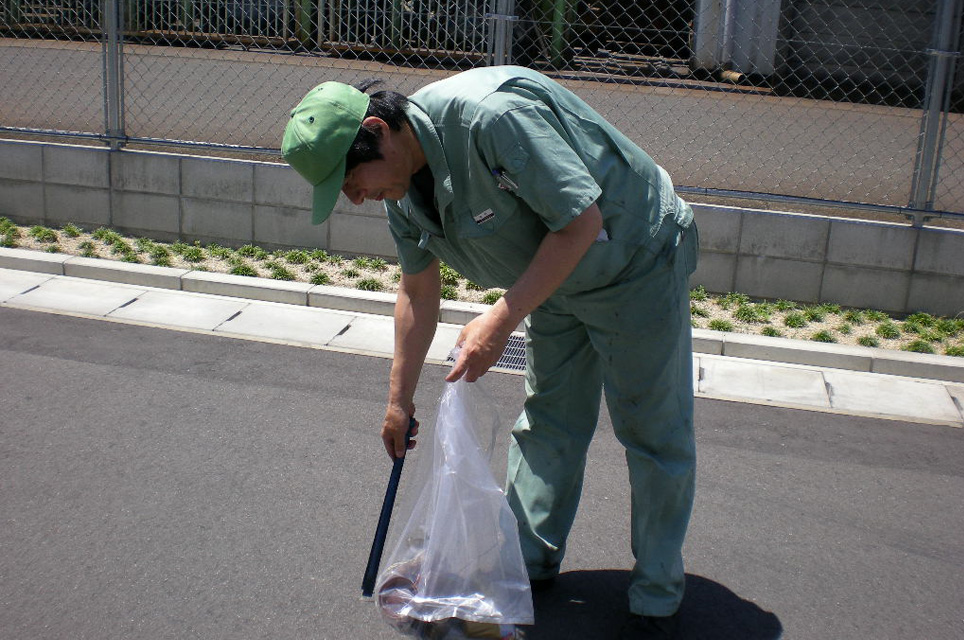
(376, 125)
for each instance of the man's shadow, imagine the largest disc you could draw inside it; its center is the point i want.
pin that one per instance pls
(593, 604)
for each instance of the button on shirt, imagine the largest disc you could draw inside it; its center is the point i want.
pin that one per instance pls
(515, 156)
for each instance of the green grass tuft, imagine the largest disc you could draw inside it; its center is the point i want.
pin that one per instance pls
(919, 346)
(449, 275)
(278, 272)
(43, 234)
(244, 270)
(868, 341)
(369, 284)
(954, 350)
(718, 324)
(297, 256)
(888, 330)
(71, 231)
(795, 320)
(449, 292)
(87, 249)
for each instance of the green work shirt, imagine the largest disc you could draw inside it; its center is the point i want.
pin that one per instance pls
(515, 155)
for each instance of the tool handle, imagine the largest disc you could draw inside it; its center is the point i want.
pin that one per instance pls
(381, 531)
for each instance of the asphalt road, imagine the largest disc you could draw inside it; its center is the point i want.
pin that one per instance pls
(158, 484)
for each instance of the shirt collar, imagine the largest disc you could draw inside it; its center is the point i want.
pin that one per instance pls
(427, 136)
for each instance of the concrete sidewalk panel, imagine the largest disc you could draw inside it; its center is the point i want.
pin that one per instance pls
(287, 323)
(26, 260)
(146, 275)
(956, 392)
(368, 333)
(891, 396)
(183, 310)
(13, 283)
(376, 335)
(76, 295)
(224, 284)
(754, 380)
(444, 342)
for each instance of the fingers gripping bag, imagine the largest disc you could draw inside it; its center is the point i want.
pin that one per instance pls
(456, 569)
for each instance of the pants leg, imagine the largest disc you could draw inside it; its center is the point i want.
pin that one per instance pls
(547, 453)
(645, 341)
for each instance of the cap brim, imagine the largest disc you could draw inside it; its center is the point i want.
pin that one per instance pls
(326, 192)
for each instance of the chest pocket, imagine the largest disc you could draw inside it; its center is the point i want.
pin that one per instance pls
(485, 217)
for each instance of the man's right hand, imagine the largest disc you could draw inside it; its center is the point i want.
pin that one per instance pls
(395, 428)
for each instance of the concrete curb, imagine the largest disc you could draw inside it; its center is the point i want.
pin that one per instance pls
(737, 345)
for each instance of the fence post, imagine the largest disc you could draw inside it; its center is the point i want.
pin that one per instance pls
(940, 81)
(186, 16)
(12, 12)
(499, 40)
(305, 19)
(114, 72)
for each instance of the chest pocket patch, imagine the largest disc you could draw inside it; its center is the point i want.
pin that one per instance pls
(516, 159)
(485, 216)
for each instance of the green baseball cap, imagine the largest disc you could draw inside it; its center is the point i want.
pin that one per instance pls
(317, 137)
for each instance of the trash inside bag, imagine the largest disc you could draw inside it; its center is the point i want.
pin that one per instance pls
(456, 569)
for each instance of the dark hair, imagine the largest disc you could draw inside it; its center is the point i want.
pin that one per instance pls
(387, 105)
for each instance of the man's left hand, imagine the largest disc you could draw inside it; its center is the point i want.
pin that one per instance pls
(481, 344)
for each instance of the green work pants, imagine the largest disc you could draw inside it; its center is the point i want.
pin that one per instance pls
(633, 338)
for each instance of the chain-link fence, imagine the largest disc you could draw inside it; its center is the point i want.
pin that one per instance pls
(835, 101)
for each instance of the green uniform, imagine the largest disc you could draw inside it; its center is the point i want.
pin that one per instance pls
(514, 156)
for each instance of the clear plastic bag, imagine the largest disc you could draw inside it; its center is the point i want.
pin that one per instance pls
(456, 569)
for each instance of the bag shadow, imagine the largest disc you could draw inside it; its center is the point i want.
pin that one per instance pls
(592, 604)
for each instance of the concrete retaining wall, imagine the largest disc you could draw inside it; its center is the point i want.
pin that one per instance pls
(892, 267)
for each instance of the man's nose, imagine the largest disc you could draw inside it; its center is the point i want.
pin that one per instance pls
(354, 195)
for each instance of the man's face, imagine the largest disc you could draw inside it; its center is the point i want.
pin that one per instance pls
(376, 180)
(388, 177)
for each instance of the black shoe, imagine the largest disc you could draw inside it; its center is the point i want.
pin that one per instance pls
(542, 584)
(646, 627)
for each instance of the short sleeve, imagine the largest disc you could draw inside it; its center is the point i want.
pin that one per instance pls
(529, 144)
(411, 257)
